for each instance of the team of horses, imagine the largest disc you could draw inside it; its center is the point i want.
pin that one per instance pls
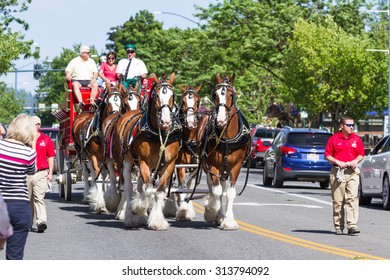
(123, 141)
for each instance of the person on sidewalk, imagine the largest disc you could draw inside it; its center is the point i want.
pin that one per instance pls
(344, 150)
(39, 182)
(17, 160)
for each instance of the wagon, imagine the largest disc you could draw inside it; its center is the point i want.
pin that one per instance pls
(69, 167)
(69, 170)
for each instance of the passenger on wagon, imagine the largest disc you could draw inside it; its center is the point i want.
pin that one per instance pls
(107, 71)
(131, 68)
(82, 71)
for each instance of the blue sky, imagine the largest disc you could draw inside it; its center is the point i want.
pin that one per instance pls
(56, 24)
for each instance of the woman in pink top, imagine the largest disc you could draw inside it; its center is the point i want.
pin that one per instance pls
(108, 69)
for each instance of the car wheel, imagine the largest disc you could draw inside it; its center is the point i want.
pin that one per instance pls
(276, 182)
(362, 199)
(267, 181)
(385, 193)
(324, 185)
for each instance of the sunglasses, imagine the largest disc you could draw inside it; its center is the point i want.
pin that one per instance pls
(87, 52)
(131, 51)
(350, 124)
(111, 58)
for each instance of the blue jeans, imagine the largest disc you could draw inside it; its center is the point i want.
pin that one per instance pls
(21, 220)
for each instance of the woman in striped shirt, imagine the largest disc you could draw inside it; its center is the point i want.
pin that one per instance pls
(17, 159)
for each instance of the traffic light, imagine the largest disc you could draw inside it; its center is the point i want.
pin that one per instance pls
(37, 73)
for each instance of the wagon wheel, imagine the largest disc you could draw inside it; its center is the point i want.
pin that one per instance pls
(60, 166)
(68, 180)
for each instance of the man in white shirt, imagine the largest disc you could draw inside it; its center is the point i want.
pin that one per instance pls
(83, 72)
(131, 67)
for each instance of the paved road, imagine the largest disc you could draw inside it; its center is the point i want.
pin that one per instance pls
(292, 223)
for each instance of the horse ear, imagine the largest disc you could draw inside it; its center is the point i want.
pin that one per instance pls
(182, 88)
(122, 88)
(108, 86)
(172, 78)
(136, 86)
(198, 88)
(154, 77)
(218, 77)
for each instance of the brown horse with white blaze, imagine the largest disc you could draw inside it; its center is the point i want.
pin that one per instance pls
(224, 138)
(150, 140)
(131, 101)
(86, 131)
(188, 115)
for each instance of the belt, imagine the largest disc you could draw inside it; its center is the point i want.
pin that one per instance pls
(42, 169)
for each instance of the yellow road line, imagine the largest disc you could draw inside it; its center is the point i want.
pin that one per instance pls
(298, 241)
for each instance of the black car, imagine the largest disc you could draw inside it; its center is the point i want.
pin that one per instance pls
(297, 154)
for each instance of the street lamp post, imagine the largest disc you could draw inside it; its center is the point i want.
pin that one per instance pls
(169, 13)
(388, 54)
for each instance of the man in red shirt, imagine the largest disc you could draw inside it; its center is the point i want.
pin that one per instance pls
(38, 183)
(344, 150)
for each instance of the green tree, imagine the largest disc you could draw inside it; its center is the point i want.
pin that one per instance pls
(251, 38)
(10, 104)
(12, 44)
(12, 47)
(329, 70)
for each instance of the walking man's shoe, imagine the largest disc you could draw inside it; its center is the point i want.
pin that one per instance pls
(353, 231)
(42, 227)
(339, 232)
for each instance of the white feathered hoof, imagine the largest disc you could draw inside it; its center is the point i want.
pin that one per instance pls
(186, 212)
(112, 199)
(210, 217)
(229, 224)
(131, 221)
(158, 224)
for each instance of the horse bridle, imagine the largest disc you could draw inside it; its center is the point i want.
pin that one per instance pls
(116, 95)
(164, 86)
(190, 92)
(131, 94)
(225, 87)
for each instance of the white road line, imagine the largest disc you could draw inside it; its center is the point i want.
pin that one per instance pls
(275, 204)
(292, 194)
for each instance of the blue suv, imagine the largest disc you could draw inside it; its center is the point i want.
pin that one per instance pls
(297, 154)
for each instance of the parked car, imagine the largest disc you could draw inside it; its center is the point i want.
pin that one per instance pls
(262, 138)
(297, 154)
(53, 133)
(374, 174)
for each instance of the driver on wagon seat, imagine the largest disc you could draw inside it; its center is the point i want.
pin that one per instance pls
(131, 68)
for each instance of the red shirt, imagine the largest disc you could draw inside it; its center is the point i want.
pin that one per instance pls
(345, 149)
(45, 150)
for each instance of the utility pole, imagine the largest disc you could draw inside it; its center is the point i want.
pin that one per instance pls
(388, 57)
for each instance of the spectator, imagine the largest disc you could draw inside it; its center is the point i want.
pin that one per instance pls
(82, 71)
(2, 131)
(107, 70)
(38, 183)
(344, 150)
(131, 68)
(17, 160)
(6, 229)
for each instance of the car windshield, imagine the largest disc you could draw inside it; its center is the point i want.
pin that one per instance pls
(266, 133)
(308, 139)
